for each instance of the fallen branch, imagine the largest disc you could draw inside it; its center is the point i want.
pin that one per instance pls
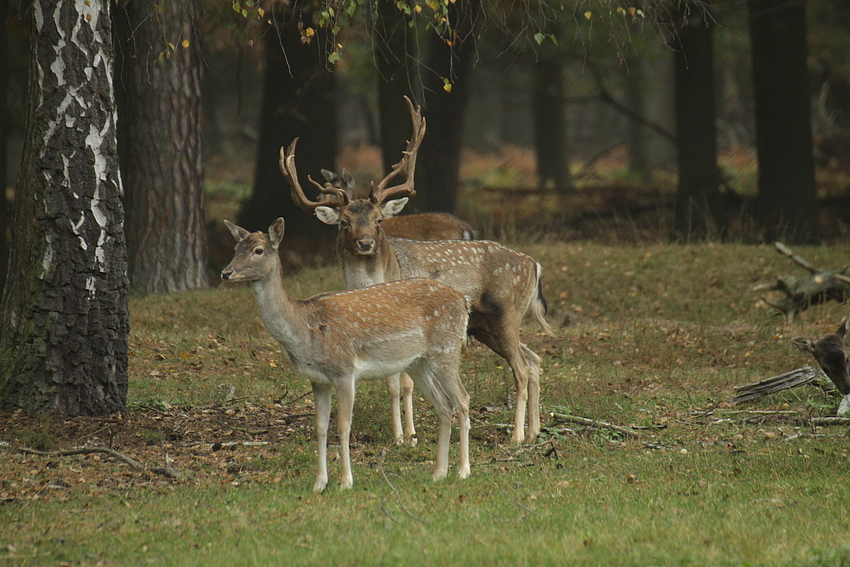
(830, 421)
(596, 423)
(785, 381)
(166, 470)
(801, 293)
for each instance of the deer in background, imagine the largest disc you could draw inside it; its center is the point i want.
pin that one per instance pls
(418, 226)
(500, 284)
(336, 339)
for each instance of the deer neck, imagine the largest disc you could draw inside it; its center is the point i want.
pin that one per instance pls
(278, 310)
(361, 270)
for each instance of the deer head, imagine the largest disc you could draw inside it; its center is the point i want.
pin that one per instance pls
(359, 220)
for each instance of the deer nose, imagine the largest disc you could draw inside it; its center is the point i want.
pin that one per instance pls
(365, 243)
(226, 273)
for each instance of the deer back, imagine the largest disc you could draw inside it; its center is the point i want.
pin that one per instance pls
(491, 276)
(428, 226)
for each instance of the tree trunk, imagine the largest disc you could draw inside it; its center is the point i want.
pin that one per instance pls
(4, 132)
(697, 213)
(786, 181)
(159, 96)
(63, 334)
(638, 135)
(439, 155)
(298, 101)
(550, 123)
(394, 51)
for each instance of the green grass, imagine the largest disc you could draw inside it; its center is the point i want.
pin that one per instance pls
(658, 337)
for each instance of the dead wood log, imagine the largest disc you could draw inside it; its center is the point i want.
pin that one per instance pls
(819, 287)
(596, 423)
(784, 381)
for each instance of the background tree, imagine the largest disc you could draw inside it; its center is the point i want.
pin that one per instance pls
(63, 333)
(786, 181)
(159, 96)
(394, 52)
(4, 82)
(449, 63)
(298, 102)
(697, 214)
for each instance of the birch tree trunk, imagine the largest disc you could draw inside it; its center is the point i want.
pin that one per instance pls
(63, 333)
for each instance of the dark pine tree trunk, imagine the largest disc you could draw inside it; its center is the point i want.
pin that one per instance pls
(159, 95)
(63, 333)
(298, 102)
(439, 155)
(4, 132)
(550, 123)
(394, 52)
(786, 181)
(697, 213)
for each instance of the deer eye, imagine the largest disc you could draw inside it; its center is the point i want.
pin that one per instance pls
(379, 221)
(343, 223)
(258, 251)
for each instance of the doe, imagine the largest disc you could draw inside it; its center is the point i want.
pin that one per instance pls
(336, 339)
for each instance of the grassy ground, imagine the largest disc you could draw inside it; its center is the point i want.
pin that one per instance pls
(654, 337)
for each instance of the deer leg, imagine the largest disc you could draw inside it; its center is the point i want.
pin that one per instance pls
(461, 404)
(394, 390)
(322, 396)
(508, 346)
(345, 409)
(407, 396)
(533, 365)
(424, 378)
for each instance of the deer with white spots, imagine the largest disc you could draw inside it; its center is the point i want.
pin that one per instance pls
(336, 339)
(500, 284)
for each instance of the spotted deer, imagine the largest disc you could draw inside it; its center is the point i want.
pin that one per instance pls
(418, 226)
(336, 339)
(500, 284)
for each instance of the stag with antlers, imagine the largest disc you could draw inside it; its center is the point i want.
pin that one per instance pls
(500, 284)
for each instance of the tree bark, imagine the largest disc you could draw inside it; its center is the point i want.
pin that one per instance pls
(63, 333)
(298, 101)
(4, 132)
(786, 181)
(439, 155)
(697, 214)
(394, 52)
(550, 123)
(159, 96)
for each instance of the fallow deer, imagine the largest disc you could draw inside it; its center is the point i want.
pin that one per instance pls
(336, 339)
(417, 226)
(500, 284)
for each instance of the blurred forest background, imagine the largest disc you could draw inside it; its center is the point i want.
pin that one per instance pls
(575, 136)
(608, 120)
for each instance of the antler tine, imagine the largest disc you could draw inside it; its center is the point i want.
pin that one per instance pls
(380, 193)
(287, 168)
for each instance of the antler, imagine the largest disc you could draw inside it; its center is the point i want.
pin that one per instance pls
(380, 193)
(338, 197)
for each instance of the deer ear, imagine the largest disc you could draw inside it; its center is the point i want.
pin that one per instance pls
(276, 232)
(327, 215)
(238, 232)
(328, 175)
(394, 207)
(347, 178)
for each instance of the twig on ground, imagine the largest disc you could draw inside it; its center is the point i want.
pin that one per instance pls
(395, 492)
(596, 423)
(166, 470)
(830, 420)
